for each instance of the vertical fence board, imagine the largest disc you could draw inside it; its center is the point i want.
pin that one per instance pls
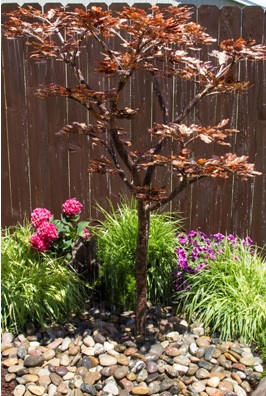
(6, 196)
(205, 114)
(227, 108)
(16, 134)
(244, 192)
(78, 146)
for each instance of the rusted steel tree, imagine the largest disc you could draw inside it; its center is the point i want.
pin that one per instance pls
(163, 43)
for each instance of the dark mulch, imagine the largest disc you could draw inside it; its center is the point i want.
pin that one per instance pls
(7, 388)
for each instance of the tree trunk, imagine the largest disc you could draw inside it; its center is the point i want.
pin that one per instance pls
(141, 267)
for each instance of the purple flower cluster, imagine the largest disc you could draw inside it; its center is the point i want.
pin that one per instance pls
(195, 250)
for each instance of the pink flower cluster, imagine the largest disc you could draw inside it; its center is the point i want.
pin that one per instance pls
(72, 207)
(86, 234)
(46, 232)
(38, 243)
(39, 215)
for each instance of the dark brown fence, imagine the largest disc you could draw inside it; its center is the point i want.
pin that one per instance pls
(42, 169)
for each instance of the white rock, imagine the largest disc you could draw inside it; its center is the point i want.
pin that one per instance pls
(21, 337)
(183, 360)
(112, 352)
(111, 387)
(107, 360)
(198, 386)
(108, 346)
(55, 362)
(213, 382)
(239, 391)
(165, 343)
(193, 348)
(99, 349)
(89, 341)
(6, 342)
(65, 344)
(258, 368)
(173, 335)
(68, 376)
(52, 389)
(89, 351)
(198, 331)
(184, 323)
(36, 390)
(34, 344)
(78, 383)
(247, 354)
(44, 371)
(65, 360)
(19, 390)
(180, 367)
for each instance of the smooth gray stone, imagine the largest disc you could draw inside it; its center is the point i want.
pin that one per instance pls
(261, 389)
(33, 361)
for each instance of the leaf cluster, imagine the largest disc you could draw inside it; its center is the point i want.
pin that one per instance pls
(69, 229)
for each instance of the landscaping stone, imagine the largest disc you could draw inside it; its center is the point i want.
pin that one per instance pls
(98, 357)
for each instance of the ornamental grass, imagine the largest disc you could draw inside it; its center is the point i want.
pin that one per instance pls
(116, 252)
(36, 286)
(229, 293)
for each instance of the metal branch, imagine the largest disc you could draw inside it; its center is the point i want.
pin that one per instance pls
(193, 103)
(177, 190)
(57, 31)
(106, 48)
(119, 146)
(161, 98)
(120, 172)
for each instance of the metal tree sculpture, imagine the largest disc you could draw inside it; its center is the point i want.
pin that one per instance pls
(164, 44)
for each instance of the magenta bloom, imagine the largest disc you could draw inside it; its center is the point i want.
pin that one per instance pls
(38, 243)
(72, 207)
(182, 258)
(48, 232)
(39, 215)
(86, 233)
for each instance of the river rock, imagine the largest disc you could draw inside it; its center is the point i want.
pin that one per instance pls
(94, 356)
(19, 390)
(36, 390)
(121, 372)
(33, 361)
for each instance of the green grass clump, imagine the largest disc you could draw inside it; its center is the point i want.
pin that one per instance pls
(36, 286)
(230, 296)
(116, 251)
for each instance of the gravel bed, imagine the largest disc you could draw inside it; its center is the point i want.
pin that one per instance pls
(98, 354)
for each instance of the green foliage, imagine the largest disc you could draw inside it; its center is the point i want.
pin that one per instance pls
(116, 241)
(230, 296)
(69, 229)
(35, 286)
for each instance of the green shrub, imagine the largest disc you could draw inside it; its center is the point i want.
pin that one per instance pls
(116, 251)
(35, 286)
(229, 296)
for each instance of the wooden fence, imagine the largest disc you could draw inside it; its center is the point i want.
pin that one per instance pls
(42, 169)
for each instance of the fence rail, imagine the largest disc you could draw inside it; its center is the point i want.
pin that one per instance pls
(42, 169)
